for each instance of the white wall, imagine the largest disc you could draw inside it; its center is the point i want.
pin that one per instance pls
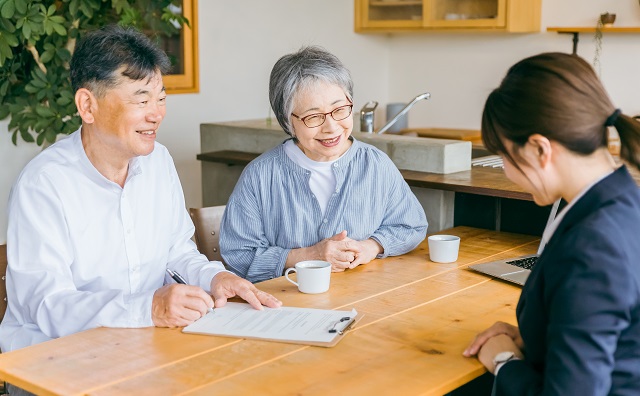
(460, 70)
(241, 39)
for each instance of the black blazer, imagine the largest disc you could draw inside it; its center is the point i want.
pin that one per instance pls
(579, 312)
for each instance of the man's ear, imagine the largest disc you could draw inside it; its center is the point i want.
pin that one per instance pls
(87, 104)
(541, 149)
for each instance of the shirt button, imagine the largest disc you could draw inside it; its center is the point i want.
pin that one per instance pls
(335, 165)
(337, 191)
(129, 231)
(324, 221)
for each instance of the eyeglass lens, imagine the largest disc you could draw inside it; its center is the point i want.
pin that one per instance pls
(338, 114)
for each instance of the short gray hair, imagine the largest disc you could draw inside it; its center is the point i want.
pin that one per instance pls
(298, 70)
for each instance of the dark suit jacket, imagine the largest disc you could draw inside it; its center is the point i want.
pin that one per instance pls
(579, 312)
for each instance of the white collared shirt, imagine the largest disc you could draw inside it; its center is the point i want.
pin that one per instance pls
(84, 252)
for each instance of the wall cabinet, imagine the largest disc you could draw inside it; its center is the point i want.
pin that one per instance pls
(372, 16)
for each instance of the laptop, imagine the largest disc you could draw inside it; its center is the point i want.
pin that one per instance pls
(517, 269)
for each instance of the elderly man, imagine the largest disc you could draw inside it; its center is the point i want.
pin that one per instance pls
(97, 219)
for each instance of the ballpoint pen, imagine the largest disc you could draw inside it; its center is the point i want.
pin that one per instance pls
(179, 279)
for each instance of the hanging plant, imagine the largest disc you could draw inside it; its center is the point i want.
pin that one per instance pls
(598, 47)
(37, 39)
(605, 20)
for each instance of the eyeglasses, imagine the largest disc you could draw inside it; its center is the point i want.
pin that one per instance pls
(317, 119)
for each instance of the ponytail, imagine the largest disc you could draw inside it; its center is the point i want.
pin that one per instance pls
(629, 131)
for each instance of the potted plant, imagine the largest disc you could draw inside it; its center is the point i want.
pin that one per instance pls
(37, 39)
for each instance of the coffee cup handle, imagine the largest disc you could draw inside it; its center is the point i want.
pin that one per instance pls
(286, 275)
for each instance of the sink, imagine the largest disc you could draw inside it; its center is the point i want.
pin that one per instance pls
(468, 135)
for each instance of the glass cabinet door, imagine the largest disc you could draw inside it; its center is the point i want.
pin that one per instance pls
(394, 13)
(466, 13)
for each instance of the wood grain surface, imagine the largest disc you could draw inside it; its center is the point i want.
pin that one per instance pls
(418, 318)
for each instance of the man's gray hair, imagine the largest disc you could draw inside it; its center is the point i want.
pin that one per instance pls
(294, 72)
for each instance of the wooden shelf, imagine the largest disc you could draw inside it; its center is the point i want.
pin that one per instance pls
(478, 180)
(575, 31)
(584, 29)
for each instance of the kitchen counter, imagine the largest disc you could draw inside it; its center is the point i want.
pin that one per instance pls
(227, 147)
(477, 180)
(438, 171)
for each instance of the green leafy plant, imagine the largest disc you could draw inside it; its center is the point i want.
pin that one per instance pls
(37, 39)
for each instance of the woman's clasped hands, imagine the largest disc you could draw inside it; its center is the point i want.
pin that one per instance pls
(346, 253)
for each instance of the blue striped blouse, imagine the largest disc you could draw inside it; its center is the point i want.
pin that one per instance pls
(272, 210)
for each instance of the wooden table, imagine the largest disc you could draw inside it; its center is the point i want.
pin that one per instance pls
(419, 317)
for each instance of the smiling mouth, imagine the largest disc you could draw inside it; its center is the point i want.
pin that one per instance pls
(146, 133)
(330, 142)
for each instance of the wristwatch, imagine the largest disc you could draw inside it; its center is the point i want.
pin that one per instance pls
(502, 358)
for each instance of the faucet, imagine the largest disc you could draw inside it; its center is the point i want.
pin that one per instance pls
(402, 112)
(366, 116)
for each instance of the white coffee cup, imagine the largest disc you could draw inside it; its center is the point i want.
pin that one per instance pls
(313, 276)
(443, 248)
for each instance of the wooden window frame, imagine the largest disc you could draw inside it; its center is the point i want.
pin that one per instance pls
(188, 82)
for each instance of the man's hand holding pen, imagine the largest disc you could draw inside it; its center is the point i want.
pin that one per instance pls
(180, 304)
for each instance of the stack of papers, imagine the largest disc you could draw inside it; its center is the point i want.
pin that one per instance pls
(286, 324)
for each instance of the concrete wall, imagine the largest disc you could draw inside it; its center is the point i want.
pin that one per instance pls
(241, 39)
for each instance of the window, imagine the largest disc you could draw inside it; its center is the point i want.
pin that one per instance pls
(183, 51)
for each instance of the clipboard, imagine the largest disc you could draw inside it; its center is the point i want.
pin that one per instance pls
(306, 326)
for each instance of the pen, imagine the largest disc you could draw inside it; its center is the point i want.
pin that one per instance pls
(179, 279)
(176, 277)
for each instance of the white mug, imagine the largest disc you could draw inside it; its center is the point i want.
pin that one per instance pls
(313, 276)
(443, 248)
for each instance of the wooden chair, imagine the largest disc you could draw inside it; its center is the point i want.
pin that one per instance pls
(3, 294)
(3, 284)
(207, 222)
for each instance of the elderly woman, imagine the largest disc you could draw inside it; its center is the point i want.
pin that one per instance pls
(321, 195)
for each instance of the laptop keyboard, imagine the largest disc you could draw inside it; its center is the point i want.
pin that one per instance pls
(526, 263)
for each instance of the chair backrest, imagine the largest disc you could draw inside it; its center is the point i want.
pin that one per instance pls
(3, 283)
(3, 296)
(207, 222)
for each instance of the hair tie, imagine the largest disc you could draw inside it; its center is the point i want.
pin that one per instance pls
(611, 121)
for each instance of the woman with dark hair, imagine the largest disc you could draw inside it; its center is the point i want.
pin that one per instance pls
(321, 195)
(579, 313)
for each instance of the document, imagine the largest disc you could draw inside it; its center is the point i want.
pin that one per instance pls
(286, 324)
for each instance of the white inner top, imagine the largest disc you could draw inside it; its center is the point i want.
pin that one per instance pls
(322, 181)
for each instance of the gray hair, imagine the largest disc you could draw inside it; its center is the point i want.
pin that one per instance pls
(299, 70)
